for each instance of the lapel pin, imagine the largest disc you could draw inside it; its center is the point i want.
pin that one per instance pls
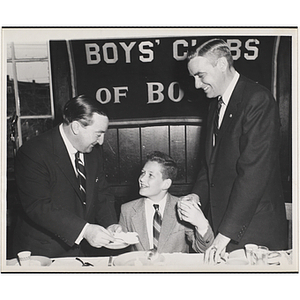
(97, 179)
(230, 116)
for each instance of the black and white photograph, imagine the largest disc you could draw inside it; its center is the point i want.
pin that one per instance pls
(149, 150)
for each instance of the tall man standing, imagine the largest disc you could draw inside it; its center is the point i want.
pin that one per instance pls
(239, 183)
(62, 187)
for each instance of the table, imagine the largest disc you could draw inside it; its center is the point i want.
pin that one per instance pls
(172, 262)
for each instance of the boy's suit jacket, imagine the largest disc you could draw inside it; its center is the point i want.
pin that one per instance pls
(53, 213)
(240, 181)
(175, 235)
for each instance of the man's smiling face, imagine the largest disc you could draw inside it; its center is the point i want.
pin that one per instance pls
(208, 76)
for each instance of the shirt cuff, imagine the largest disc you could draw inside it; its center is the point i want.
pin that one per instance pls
(80, 237)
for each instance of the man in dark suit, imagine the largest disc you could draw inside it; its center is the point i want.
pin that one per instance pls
(239, 184)
(60, 212)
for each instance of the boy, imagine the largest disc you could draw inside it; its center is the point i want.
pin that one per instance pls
(162, 222)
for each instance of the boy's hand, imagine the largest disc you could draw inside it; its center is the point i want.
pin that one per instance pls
(190, 197)
(191, 212)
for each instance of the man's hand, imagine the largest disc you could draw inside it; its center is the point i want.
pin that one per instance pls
(191, 197)
(114, 228)
(217, 250)
(97, 236)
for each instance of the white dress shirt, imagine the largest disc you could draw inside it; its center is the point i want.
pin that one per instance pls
(149, 211)
(72, 151)
(226, 96)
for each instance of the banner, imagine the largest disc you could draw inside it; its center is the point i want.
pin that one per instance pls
(148, 77)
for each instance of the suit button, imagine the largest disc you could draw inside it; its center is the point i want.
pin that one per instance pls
(212, 184)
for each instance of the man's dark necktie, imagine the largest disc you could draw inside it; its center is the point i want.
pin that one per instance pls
(81, 176)
(217, 115)
(157, 220)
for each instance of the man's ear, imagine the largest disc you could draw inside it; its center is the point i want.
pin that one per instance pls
(167, 183)
(222, 64)
(75, 127)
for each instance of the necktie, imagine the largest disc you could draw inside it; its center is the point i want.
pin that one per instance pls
(157, 220)
(216, 121)
(81, 176)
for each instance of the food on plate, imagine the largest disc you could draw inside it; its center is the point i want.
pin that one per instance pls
(127, 237)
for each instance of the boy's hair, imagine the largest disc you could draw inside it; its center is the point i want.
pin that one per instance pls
(169, 166)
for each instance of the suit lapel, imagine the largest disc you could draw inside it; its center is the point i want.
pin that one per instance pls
(231, 110)
(169, 221)
(91, 164)
(210, 129)
(139, 223)
(62, 159)
(229, 116)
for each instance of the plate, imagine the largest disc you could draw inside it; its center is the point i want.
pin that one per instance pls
(117, 245)
(237, 257)
(123, 240)
(138, 258)
(35, 261)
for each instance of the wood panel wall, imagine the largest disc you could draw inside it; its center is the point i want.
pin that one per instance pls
(126, 150)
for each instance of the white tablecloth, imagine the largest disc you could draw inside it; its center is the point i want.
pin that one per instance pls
(175, 262)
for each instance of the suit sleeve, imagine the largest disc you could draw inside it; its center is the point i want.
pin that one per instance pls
(201, 186)
(258, 146)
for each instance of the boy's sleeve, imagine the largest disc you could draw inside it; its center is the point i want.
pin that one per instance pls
(200, 243)
(122, 220)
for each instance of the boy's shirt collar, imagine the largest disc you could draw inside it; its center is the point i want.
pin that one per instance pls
(162, 204)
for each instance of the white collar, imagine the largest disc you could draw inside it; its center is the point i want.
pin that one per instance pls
(227, 94)
(69, 146)
(162, 203)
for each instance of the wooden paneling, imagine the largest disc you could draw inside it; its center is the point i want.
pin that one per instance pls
(130, 155)
(126, 150)
(177, 151)
(192, 151)
(154, 138)
(111, 151)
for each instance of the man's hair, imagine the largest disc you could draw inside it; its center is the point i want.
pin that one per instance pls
(81, 109)
(212, 49)
(169, 166)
